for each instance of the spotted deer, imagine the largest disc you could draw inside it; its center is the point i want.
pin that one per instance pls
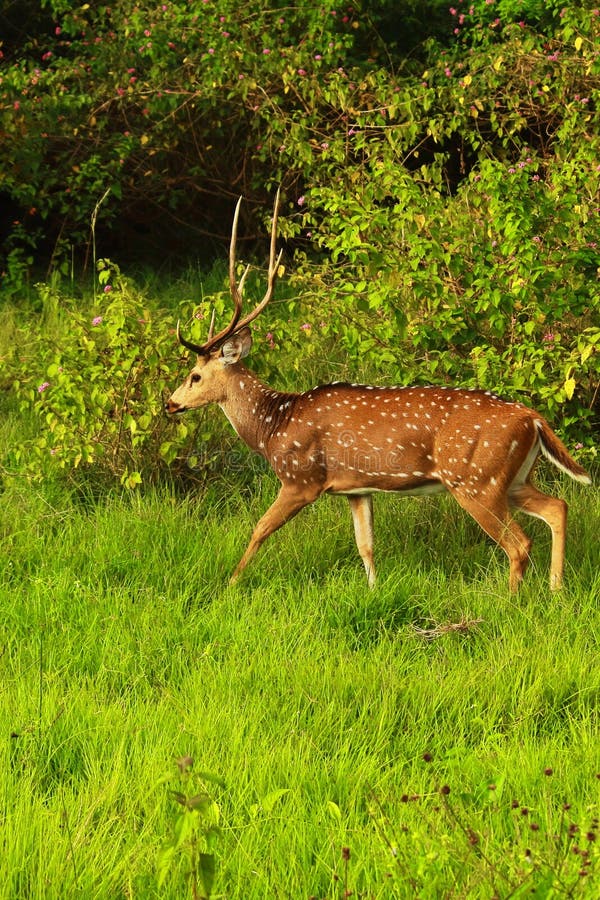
(356, 440)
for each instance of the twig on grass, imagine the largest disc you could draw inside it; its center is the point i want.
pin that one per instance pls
(464, 626)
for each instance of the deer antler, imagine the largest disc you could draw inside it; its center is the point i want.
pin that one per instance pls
(235, 324)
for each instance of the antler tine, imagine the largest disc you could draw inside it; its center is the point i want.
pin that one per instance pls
(235, 290)
(195, 348)
(273, 268)
(211, 327)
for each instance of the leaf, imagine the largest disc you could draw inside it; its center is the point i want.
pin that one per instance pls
(334, 810)
(206, 874)
(164, 862)
(569, 387)
(274, 797)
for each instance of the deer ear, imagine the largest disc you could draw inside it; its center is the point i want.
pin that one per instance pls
(236, 347)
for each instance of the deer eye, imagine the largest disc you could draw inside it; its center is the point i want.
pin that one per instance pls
(195, 378)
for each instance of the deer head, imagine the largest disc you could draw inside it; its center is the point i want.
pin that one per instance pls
(208, 380)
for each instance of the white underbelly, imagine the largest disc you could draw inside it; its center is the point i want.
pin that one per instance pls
(418, 490)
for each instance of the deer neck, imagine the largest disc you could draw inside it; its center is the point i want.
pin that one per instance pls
(253, 408)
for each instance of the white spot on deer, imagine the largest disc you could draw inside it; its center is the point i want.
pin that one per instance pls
(268, 418)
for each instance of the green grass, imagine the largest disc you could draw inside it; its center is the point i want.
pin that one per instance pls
(332, 721)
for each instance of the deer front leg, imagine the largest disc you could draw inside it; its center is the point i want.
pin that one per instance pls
(361, 508)
(289, 502)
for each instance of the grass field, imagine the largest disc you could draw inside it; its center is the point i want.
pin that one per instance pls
(345, 742)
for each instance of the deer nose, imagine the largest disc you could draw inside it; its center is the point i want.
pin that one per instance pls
(171, 408)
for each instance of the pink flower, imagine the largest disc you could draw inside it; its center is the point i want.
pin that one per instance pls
(97, 320)
(43, 387)
(306, 327)
(301, 71)
(301, 200)
(107, 288)
(266, 51)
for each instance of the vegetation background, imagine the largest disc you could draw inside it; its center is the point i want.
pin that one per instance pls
(164, 735)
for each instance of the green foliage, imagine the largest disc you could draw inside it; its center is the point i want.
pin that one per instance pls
(94, 382)
(161, 103)
(195, 832)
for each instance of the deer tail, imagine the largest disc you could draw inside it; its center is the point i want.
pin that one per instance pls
(555, 451)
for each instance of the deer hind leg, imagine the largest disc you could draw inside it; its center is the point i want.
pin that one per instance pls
(493, 515)
(289, 501)
(361, 508)
(553, 512)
